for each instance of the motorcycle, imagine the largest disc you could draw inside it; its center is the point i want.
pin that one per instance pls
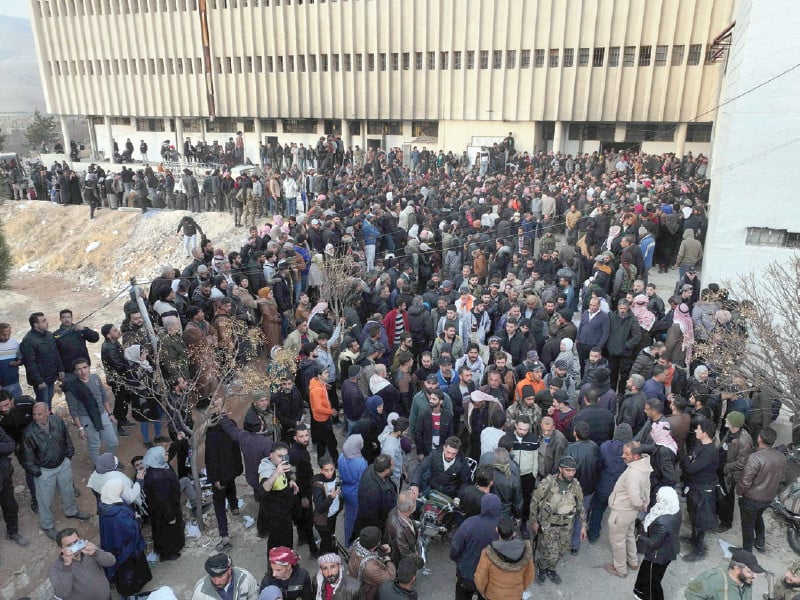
(438, 515)
(792, 521)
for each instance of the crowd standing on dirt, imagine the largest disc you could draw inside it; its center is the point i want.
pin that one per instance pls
(501, 344)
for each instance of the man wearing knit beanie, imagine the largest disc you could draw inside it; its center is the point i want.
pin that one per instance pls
(332, 582)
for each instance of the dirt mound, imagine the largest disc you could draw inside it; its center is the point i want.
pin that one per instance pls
(107, 251)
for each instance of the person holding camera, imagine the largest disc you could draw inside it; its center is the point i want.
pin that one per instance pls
(276, 476)
(77, 574)
(371, 562)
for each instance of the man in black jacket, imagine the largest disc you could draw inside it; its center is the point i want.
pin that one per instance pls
(7, 501)
(700, 470)
(599, 419)
(48, 450)
(432, 426)
(116, 368)
(15, 416)
(71, 339)
(586, 453)
(444, 470)
(623, 338)
(377, 496)
(224, 464)
(41, 358)
(631, 409)
(300, 459)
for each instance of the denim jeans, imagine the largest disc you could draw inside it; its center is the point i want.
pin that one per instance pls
(14, 389)
(93, 437)
(46, 394)
(576, 528)
(599, 505)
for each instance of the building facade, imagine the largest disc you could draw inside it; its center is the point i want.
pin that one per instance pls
(755, 216)
(571, 75)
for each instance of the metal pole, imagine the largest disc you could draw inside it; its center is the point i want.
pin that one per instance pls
(136, 295)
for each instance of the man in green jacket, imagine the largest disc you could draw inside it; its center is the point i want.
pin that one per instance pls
(721, 584)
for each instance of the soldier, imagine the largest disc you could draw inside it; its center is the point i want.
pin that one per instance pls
(556, 503)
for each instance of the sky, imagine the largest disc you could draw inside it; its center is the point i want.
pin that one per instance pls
(15, 8)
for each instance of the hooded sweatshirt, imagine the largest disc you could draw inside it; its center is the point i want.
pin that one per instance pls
(505, 569)
(473, 536)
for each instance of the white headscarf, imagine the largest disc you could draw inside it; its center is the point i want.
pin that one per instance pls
(667, 503)
(111, 492)
(134, 354)
(377, 383)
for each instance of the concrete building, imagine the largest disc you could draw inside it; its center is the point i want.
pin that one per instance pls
(572, 75)
(755, 216)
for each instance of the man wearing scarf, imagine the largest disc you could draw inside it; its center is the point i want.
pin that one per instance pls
(287, 575)
(331, 582)
(223, 581)
(90, 409)
(370, 562)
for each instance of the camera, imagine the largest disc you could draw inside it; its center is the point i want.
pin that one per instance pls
(77, 546)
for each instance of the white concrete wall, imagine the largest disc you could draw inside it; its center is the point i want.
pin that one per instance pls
(756, 141)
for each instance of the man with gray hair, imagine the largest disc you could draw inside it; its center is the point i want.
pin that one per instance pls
(401, 532)
(631, 409)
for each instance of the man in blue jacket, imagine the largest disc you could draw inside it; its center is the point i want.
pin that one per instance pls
(593, 331)
(370, 233)
(469, 541)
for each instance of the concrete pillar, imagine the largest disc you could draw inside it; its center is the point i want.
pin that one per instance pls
(347, 139)
(259, 134)
(680, 138)
(179, 136)
(110, 137)
(620, 131)
(560, 136)
(537, 143)
(65, 133)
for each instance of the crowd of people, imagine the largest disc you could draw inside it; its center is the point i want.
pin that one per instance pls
(501, 344)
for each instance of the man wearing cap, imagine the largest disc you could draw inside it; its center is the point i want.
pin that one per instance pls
(737, 445)
(332, 582)
(721, 584)
(533, 378)
(759, 482)
(370, 562)
(287, 575)
(556, 503)
(223, 580)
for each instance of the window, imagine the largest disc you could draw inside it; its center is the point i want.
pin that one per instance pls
(764, 236)
(592, 131)
(613, 56)
(395, 61)
(649, 132)
(121, 121)
(538, 58)
(382, 61)
(150, 124)
(237, 64)
(134, 70)
(192, 125)
(645, 56)
(348, 62)
(269, 125)
(598, 57)
(291, 64)
(418, 61)
(336, 62)
(384, 127)
(444, 60)
(270, 65)
(370, 62)
(312, 63)
(228, 64)
(695, 51)
(569, 57)
(248, 64)
(511, 59)
(332, 126)
(259, 64)
(583, 57)
(280, 64)
(661, 55)
(457, 60)
(699, 132)
(525, 59)
(711, 55)
(300, 125)
(629, 58)
(470, 59)
(355, 127)
(553, 59)
(359, 62)
(108, 67)
(323, 62)
(677, 55)
(198, 65)
(301, 62)
(161, 66)
(484, 58)
(431, 61)
(497, 59)
(406, 61)
(124, 67)
(425, 128)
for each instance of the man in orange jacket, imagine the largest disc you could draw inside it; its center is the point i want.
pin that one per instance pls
(321, 414)
(532, 378)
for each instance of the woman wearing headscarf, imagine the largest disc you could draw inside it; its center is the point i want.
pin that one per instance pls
(144, 406)
(270, 318)
(680, 336)
(566, 355)
(105, 471)
(370, 426)
(391, 441)
(220, 289)
(351, 466)
(121, 535)
(245, 303)
(163, 492)
(660, 544)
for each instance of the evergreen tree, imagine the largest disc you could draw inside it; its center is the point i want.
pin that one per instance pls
(42, 130)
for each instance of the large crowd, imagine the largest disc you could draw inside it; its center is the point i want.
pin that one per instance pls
(501, 345)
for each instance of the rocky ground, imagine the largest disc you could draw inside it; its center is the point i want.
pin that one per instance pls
(55, 271)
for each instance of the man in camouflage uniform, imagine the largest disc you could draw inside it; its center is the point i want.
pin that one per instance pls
(788, 586)
(556, 503)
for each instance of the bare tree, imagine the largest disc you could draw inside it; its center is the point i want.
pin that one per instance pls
(340, 283)
(760, 337)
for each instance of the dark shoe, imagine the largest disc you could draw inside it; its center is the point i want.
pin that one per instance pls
(693, 557)
(20, 540)
(760, 548)
(121, 432)
(148, 445)
(224, 545)
(34, 505)
(574, 551)
(540, 575)
(170, 557)
(313, 554)
(593, 541)
(685, 539)
(733, 549)
(235, 512)
(262, 536)
(80, 515)
(723, 527)
(554, 577)
(76, 491)
(51, 533)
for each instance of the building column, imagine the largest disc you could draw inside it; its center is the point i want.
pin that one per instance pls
(347, 139)
(179, 136)
(65, 133)
(559, 135)
(110, 137)
(537, 143)
(680, 138)
(259, 133)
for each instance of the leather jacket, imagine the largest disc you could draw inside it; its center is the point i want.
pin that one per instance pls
(762, 474)
(46, 449)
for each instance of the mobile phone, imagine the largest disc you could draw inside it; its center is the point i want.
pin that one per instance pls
(77, 546)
